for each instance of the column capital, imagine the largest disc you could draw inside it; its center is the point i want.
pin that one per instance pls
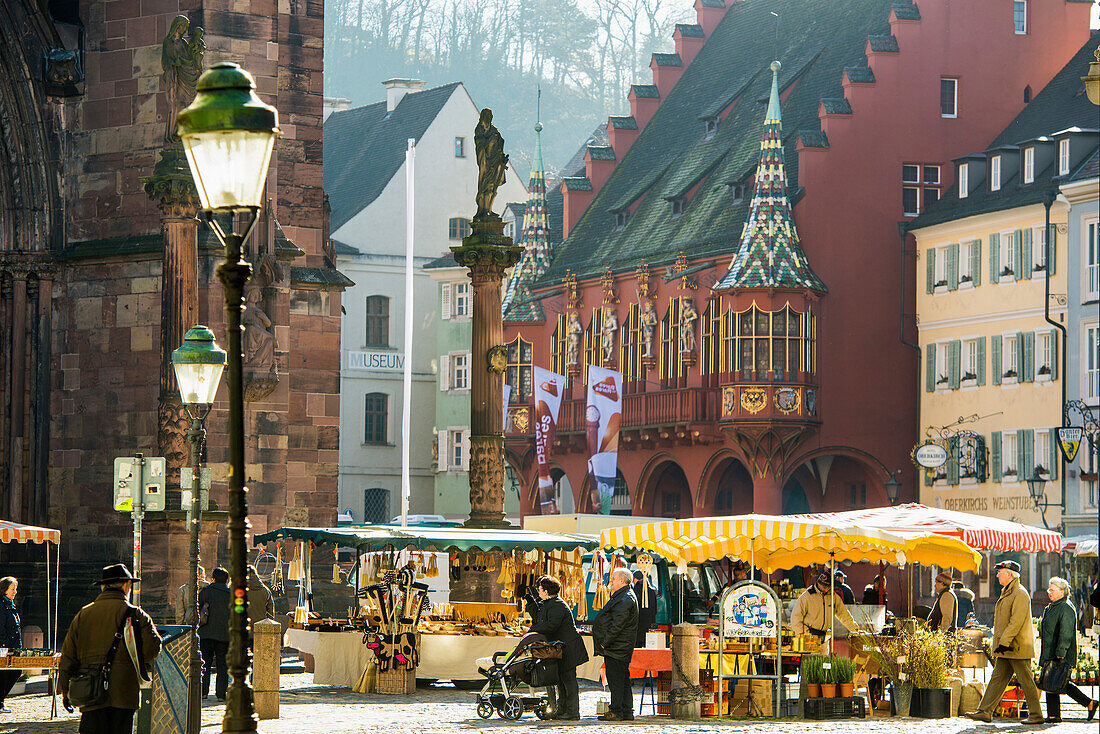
(172, 186)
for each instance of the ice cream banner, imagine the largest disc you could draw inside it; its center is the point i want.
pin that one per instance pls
(602, 417)
(548, 391)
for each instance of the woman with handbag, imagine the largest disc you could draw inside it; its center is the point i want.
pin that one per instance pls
(554, 620)
(1058, 636)
(11, 636)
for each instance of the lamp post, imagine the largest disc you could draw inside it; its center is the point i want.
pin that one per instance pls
(1092, 81)
(228, 134)
(198, 365)
(1035, 487)
(893, 487)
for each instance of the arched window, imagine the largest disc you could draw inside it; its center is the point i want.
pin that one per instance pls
(458, 227)
(592, 353)
(376, 317)
(519, 372)
(620, 502)
(673, 373)
(375, 417)
(773, 345)
(557, 349)
(631, 348)
(709, 362)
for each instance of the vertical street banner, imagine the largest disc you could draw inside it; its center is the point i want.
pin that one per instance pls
(602, 418)
(505, 397)
(548, 391)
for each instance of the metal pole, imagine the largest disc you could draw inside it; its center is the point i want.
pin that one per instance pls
(240, 714)
(139, 514)
(194, 517)
(406, 403)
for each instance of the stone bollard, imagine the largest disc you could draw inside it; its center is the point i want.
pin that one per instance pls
(267, 650)
(33, 638)
(685, 657)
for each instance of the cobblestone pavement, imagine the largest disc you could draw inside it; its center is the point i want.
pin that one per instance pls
(306, 708)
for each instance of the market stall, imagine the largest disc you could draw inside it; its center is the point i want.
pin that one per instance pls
(442, 640)
(43, 658)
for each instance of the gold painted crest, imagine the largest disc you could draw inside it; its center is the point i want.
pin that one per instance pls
(753, 399)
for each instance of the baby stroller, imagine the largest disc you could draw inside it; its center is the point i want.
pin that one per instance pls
(534, 662)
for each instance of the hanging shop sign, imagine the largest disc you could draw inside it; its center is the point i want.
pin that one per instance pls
(930, 455)
(1069, 441)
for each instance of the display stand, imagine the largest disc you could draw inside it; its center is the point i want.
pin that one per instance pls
(750, 609)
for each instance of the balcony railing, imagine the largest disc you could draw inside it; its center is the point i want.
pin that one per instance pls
(666, 407)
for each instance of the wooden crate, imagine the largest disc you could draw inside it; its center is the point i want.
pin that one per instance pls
(396, 681)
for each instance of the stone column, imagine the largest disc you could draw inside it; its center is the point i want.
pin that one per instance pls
(487, 252)
(685, 657)
(268, 645)
(173, 189)
(17, 387)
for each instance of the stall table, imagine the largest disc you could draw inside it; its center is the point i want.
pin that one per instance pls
(49, 663)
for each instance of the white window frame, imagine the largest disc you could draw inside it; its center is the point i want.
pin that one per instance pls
(995, 173)
(955, 93)
(964, 180)
(1044, 354)
(1007, 257)
(1090, 363)
(460, 370)
(1029, 164)
(940, 266)
(1063, 156)
(969, 362)
(916, 207)
(966, 254)
(943, 379)
(1009, 359)
(457, 449)
(460, 298)
(916, 179)
(1090, 251)
(460, 146)
(1010, 438)
(1038, 251)
(1020, 28)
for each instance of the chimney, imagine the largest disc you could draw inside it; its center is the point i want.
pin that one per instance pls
(333, 104)
(396, 89)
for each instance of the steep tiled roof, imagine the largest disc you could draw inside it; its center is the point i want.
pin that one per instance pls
(1061, 104)
(836, 106)
(883, 43)
(645, 90)
(1089, 169)
(623, 123)
(730, 70)
(365, 147)
(860, 74)
(447, 261)
(668, 59)
(906, 11)
(690, 30)
(601, 152)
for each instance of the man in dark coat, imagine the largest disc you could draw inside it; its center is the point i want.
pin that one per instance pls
(89, 640)
(554, 620)
(214, 602)
(966, 601)
(646, 594)
(846, 594)
(613, 633)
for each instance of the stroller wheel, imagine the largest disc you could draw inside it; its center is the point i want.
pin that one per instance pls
(513, 708)
(543, 710)
(485, 709)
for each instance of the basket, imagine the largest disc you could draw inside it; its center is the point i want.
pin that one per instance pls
(34, 661)
(4, 662)
(396, 681)
(822, 709)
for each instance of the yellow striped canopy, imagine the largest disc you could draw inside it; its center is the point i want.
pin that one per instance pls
(773, 543)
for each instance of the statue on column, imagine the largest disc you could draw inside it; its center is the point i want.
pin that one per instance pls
(258, 341)
(181, 61)
(688, 316)
(607, 334)
(648, 321)
(573, 335)
(492, 163)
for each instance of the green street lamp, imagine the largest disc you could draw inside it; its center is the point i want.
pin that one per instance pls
(228, 134)
(198, 365)
(1036, 488)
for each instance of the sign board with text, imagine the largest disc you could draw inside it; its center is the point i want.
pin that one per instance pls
(930, 455)
(132, 475)
(750, 610)
(384, 361)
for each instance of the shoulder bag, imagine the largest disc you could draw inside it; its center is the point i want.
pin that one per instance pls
(88, 686)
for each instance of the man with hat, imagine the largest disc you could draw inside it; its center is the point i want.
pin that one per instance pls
(1013, 645)
(91, 638)
(846, 594)
(811, 610)
(945, 612)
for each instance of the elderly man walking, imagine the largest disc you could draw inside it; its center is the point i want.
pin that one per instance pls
(613, 634)
(1014, 646)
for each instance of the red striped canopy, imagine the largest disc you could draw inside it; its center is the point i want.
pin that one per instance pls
(13, 532)
(977, 531)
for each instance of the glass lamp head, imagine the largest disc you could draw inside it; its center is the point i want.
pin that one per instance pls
(893, 487)
(198, 365)
(228, 134)
(1035, 487)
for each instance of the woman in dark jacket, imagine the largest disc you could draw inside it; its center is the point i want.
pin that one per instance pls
(554, 620)
(11, 636)
(1058, 636)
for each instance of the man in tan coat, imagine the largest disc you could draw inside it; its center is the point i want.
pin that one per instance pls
(945, 612)
(810, 614)
(1013, 645)
(88, 641)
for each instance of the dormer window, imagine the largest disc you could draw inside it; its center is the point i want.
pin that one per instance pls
(1029, 165)
(995, 173)
(621, 218)
(964, 180)
(1063, 157)
(677, 206)
(738, 192)
(710, 127)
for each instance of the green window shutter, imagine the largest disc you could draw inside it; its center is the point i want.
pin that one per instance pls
(1052, 249)
(953, 461)
(994, 257)
(953, 267)
(1055, 457)
(1024, 256)
(995, 360)
(954, 359)
(995, 455)
(976, 261)
(1019, 366)
(930, 269)
(1053, 357)
(930, 368)
(929, 477)
(981, 360)
(1028, 373)
(1025, 445)
(981, 471)
(1017, 246)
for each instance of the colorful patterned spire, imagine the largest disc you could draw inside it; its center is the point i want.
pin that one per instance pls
(535, 240)
(770, 255)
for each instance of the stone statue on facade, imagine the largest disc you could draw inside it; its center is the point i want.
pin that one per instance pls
(258, 342)
(181, 60)
(648, 320)
(492, 163)
(573, 333)
(607, 334)
(688, 317)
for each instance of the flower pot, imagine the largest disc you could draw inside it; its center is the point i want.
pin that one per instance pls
(828, 690)
(845, 690)
(813, 690)
(931, 703)
(901, 695)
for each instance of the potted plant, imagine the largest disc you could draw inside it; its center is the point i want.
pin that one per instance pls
(844, 670)
(934, 655)
(893, 655)
(828, 682)
(1007, 271)
(811, 668)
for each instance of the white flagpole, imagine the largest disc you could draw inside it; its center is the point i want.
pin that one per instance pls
(406, 403)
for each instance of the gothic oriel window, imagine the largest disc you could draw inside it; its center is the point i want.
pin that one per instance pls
(592, 353)
(770, 345)
(631, 348)
(557, 349)
(519, 372)
(709, 362)
(673, 373)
